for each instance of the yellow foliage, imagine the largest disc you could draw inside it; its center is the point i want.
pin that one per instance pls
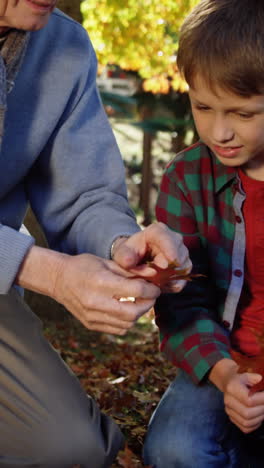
(140, 35)
(157, 84)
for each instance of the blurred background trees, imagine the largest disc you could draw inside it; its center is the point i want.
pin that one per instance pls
(142, 37)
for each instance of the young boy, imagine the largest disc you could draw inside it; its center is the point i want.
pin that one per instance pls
(213, 194)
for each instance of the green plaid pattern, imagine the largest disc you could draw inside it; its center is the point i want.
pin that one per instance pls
(196, 200)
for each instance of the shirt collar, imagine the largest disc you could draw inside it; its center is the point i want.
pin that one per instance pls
(223, 175)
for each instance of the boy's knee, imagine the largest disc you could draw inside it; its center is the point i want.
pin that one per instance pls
(182, 450)
(163, 449)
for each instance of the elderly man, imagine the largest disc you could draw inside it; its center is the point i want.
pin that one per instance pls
(57, 152)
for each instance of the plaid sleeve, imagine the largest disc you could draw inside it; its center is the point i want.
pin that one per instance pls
(190, 328)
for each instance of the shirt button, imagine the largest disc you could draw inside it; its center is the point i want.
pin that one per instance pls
(226, 324)
(238, 273)
(238, 219)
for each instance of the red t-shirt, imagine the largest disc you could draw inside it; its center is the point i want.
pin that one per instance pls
(251, 307)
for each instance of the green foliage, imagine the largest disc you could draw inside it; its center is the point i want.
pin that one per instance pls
(123, 106)
(140, 35)
(163, 124)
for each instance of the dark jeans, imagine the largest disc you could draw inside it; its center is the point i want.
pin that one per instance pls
(46, 419)
(190, 429)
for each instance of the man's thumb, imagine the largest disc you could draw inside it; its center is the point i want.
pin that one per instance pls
(125, 256)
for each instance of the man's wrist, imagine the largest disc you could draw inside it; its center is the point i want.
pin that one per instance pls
(39, 270)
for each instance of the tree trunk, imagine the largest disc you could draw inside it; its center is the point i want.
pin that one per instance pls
(146, 113)
(146, 178)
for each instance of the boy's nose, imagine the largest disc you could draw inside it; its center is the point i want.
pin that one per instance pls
(222, 130)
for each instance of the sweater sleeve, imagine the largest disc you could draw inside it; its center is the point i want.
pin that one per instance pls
(12, 257)
(77, 186)
(190, 328)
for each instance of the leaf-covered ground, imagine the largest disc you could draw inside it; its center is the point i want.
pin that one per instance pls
(126, 376)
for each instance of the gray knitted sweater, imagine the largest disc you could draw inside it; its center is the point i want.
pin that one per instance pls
(58, 152)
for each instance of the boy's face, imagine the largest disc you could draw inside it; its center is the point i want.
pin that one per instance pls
(230, 125)
(28, 15)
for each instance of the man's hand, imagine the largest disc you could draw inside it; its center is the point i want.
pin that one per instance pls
(157, 244)
(244, 410)
(89, 287)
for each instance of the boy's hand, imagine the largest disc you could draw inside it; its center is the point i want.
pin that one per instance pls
(244, 410)
(157, 244)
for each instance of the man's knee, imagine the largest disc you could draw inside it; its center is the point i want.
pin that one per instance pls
(64, 441)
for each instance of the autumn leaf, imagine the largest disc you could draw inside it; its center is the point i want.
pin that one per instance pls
(126, 459)
(251, 364)
(164, 275)
(255, 363)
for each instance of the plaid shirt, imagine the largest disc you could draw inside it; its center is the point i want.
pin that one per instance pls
(202, 199)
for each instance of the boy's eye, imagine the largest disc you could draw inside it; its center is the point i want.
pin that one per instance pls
(201, 108)
(245, 115)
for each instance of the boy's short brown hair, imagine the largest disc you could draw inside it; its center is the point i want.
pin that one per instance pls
(223, 40)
